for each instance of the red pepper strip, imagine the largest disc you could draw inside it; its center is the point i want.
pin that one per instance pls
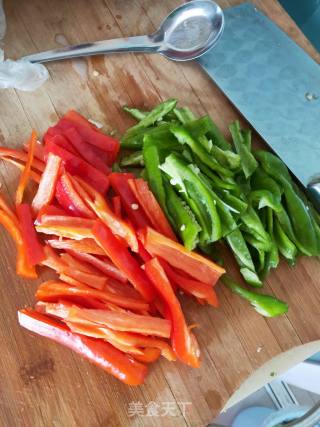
(129, 342)
(24, 177)
(22, 267)
(149, 355)
(71, 281)
(99, 352)
(76, 233)
(126, 322)
(76, 117)
(71, 261)
(49, 210)
(121, 257)
(84, 246)
(35, 176)
(143, 253)
(70, 200)
(85, 150)
(184, 343)
(22, 156)
(38, 150)
(99, 205)
(114, 338)
(103, 265)
(47, 184)
(76, 166)
(56, 136)
(54, 290)
(67, 221)
(94, 137)
(33, 248)
(176, 255)
(119, 183)
(200, 290)
(116, 203)
(151, 207)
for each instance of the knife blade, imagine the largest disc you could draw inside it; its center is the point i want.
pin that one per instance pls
(276, 87)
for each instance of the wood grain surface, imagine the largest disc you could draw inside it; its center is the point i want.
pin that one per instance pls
(43, 384)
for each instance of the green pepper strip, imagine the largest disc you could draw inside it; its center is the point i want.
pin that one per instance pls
(183, 220)
(196, 195)
(248, 162)
(266, 305)
(133, 159)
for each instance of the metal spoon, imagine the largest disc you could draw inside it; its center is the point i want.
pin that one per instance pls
(187, 32)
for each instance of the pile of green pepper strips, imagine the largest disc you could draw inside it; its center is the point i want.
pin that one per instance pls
(213, 191)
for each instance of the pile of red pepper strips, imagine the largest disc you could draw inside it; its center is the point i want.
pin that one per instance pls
(118, 260)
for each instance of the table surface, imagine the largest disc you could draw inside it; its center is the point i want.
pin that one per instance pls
(45, 384)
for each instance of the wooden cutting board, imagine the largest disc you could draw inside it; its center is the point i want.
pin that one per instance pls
(43, 384)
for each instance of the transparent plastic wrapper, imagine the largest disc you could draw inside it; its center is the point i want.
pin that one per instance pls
(22, 75)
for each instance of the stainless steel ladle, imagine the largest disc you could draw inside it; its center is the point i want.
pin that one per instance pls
(187, 33)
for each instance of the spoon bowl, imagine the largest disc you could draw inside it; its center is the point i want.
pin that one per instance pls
(186, 33)
(190, 30)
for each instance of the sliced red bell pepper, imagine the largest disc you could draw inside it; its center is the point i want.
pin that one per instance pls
(116, 203)
(99, 352)
(74, 116)
(176, 255)
(6, 153)
(67, 221)
(102, 264)
(22, 266)
(101, 208)
(127, 322)
(184, 343)
(85, 150)
(149, 355)
(33, 248)
(69, 232)
(50, 210)
(38, 150)
(121, 257)
(54, 134)
(76, 166)
(24, 177)
(48, 182)
(55, 290)
(200, 290)
(84, 246)
(94, 137)
(119, 183)
(151, 207)
(69, 199)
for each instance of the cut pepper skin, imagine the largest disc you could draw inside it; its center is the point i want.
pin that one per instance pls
(151, 207)
(121, 257)
(98, 204)
(69, 199)
(116, 204)
(47, 184)
(184, 343)
(93, 137)
(102, 264)
(33, 248)
(190, 286)
(24, 177)
(127, 322)
(22, 267)
(55, 134)
(119, 183)
(176, 255)
(77, 166)
(55, 290)
(102, 354)
(21, 156)
(85, 150)
(84, 246)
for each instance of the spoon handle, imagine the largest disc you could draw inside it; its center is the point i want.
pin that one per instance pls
(129, 44)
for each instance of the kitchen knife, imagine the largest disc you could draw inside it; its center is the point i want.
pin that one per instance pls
(275, 85)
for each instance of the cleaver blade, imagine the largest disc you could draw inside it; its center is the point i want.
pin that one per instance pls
(276, 87)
